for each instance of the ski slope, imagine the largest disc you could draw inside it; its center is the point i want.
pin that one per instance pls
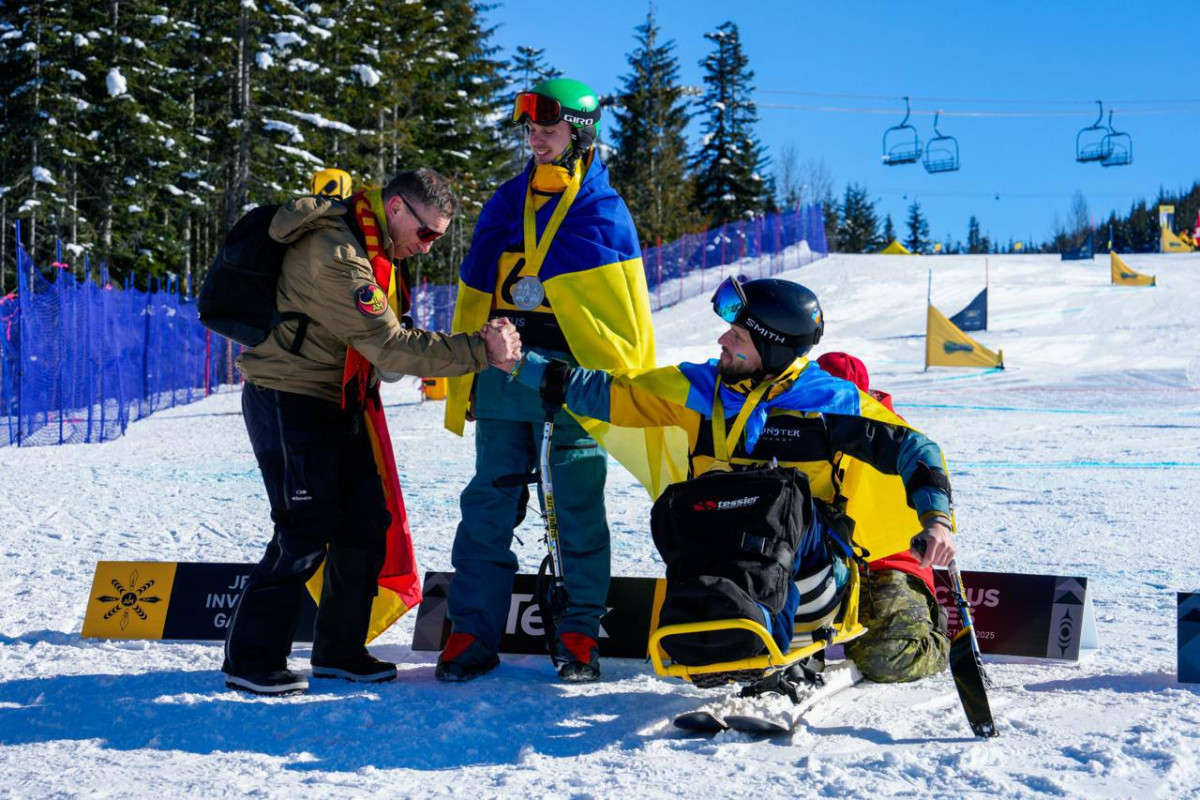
(1079, 459)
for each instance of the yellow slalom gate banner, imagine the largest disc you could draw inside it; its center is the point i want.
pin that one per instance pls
(947, 346)
(1124, 275)
(895, 249)
(1170, 243)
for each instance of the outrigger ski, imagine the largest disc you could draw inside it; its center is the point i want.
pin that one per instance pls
(774, 704)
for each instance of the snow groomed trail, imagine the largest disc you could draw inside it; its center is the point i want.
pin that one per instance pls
(1080, 458)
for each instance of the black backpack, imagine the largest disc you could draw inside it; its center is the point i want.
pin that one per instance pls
(729, 541)
(237, 299)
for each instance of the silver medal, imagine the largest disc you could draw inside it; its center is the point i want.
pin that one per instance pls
(528, 293)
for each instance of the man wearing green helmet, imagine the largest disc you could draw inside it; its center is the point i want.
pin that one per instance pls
(556, 252)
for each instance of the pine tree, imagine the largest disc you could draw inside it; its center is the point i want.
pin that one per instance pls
(527, 69)
(729, 167)
(859, 228)
(918, 229)
(889, 230)
(458, 121)
(649, 163)
(974, 240)
(39, 145)
(137, 131)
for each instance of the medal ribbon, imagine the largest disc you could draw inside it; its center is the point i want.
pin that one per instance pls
(535, 250)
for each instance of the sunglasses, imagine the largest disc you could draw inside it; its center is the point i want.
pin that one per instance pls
(425, 233)
(540, 109)
(729, 300)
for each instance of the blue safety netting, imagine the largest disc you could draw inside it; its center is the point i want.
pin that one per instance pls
(81, 359)
(692, 265)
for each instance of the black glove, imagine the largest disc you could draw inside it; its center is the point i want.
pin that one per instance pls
(554, 383)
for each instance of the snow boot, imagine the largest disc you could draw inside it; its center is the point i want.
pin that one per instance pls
(362, 668)
(577, 658)
(465, 658)
(276, 682)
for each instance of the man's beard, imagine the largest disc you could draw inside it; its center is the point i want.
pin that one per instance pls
(735, 370)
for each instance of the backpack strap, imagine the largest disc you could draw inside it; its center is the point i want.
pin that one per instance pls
(301, 329)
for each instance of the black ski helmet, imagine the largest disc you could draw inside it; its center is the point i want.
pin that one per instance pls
(783, 318)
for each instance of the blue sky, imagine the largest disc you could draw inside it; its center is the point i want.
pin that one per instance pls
(1014, 57)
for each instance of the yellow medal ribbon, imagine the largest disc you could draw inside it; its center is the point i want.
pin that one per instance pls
(535, 251)
(722, 446)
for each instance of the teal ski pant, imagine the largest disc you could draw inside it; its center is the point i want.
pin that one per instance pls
(484, 563)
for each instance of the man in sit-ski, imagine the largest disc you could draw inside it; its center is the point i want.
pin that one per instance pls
(777, 407)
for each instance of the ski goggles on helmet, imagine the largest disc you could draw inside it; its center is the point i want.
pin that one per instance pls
(543, 110)
(540, 109)
(729, 300)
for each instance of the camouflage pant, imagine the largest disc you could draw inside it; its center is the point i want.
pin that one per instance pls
(906, 637)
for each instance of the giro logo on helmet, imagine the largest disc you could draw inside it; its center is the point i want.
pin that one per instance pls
(574, 120)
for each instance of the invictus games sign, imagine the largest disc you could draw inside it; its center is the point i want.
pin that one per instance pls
(171, 600)
(1030, 616)
(633, 605)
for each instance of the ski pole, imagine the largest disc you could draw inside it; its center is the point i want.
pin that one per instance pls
(966, 662)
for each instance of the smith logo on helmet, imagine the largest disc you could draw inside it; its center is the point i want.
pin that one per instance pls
(757, 327)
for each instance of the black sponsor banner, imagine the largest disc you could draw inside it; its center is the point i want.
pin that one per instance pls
(173, 601)
(1189, 636)
(204, 596)
(624, 630)
(1030, 616)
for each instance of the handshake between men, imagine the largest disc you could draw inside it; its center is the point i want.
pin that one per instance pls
(503, 343)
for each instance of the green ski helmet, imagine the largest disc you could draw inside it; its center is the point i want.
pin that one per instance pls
(562, 99)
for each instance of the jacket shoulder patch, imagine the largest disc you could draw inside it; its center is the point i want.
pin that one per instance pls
(371, 301)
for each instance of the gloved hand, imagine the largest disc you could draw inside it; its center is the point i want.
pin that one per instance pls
(554, 383)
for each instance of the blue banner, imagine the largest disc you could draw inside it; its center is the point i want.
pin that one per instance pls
(1084, 250)
(1189, 636)
(974, 316)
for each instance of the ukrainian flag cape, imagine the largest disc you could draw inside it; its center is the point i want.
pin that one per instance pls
(876, 501)
(593, 277)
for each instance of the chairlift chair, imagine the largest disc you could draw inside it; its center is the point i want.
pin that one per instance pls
(1093, 142)
(941, 152)
(1120, 147)
(901, 144)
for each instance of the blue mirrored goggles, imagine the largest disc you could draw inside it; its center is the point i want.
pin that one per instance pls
(729, 300)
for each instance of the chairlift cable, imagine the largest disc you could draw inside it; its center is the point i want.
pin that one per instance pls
(982, 114)
(923, 99)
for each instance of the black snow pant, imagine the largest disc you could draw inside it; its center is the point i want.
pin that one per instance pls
(325, 492)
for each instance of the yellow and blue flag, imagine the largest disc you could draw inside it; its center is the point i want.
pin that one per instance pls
(595, 282)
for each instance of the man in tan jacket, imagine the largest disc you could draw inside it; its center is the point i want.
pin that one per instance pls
(303, 403)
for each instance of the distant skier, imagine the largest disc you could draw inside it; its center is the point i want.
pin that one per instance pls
(906, 636)
(556, 251)
(804, 417)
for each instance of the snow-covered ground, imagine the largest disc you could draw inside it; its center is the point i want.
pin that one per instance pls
(1079, 459)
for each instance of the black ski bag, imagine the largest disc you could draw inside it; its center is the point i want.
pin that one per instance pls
(729, 540)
